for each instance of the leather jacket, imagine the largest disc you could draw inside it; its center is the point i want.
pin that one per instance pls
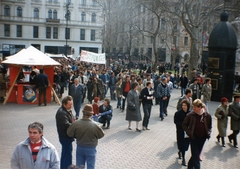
(190, 122)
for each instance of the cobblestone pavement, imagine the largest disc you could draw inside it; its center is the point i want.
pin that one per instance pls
(120, 148)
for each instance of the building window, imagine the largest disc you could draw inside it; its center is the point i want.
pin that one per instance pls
(6, 30)
(19, 11)
(92, 35)
(93, 17)
(83, 17)
(55, 33)
(82, 34)
(19, 30)
(143, 24)
(48, 32)
(84, 2)
(36, 13)
(49, 14)
(67, 33)
(142, 39)
(94, 3)
(186, 41)
(6, 10)
(35, 31)
(55, 14)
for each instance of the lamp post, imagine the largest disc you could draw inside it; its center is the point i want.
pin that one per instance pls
(67, 16)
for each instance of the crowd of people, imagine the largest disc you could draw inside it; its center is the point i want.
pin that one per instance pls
(132, 91)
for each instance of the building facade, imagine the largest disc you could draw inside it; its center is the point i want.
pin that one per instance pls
(52, 26)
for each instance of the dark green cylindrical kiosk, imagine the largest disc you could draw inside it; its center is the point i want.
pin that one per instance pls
(221, 60)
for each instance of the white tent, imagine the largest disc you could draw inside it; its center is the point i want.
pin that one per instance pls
(30, 56)
(56, 55)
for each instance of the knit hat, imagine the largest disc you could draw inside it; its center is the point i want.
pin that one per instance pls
(224, 99)
(96, 99)
(87, 110)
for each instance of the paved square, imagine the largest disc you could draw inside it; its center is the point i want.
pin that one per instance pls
(120, 148)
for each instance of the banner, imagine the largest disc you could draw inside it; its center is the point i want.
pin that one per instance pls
(93, 57)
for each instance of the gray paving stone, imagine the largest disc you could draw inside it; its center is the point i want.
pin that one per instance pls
(120, 148)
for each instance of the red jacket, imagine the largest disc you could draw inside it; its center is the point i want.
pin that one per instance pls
(95, 108)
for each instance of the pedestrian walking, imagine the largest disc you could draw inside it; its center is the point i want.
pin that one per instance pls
(133, 107)
(77, 91)
(163, 93)
(234, 113)
(182, 141)
(198, 126)
(147, 97)
(207, 92)
(222, 120)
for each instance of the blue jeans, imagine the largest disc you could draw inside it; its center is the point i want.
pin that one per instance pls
(105, 90)
(147, 113)
(162, 104)
(86, 154)
(77, 102)
(196, 148)
(183, 91)
(119, 101)
(112, 89)
(105, 119)
(66, 156)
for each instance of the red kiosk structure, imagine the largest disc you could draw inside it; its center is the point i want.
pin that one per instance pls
(24, 92)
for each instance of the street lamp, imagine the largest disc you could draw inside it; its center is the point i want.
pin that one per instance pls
(67, 16)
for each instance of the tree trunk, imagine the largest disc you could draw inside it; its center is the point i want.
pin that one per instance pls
(194, 54)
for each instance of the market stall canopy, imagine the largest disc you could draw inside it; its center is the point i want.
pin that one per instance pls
(56, 55)
(31, 56)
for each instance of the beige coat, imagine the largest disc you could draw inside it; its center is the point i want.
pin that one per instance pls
(207, 93)
(222, 122)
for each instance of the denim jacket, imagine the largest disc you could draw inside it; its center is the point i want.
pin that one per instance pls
(47, 157)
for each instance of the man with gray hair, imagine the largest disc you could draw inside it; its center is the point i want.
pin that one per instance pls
(35, 151)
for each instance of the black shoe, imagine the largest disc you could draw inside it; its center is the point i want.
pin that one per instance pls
(184, 163)
(129, 128)
(230, 139)
(179, 155)
(103, 125)
(223, 145)
(138, 130)
(76, 118)
(162, 118)
(218, 138)
(108, 127)
(236, 146)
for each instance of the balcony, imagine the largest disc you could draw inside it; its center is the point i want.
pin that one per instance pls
(52, 21)
(53, 2)
(36, 2)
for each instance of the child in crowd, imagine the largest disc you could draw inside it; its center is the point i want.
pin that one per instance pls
(95, 109)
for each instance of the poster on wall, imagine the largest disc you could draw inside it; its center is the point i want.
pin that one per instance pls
(29, 94)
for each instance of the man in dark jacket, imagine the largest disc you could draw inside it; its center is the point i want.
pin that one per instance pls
(106, 115)
(112, 85)
(41, 85)
(183, 83)
(147, 97)
(64, 119)
(234, 112)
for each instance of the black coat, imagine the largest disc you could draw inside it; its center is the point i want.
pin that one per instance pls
(144, 95)
(63, 120)
(182, 142)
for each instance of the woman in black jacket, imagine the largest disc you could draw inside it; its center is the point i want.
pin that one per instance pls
(182, 142)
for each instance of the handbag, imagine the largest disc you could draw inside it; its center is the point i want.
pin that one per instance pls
(131, 107)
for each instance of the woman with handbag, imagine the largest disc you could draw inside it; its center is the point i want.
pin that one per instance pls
(133, 107)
